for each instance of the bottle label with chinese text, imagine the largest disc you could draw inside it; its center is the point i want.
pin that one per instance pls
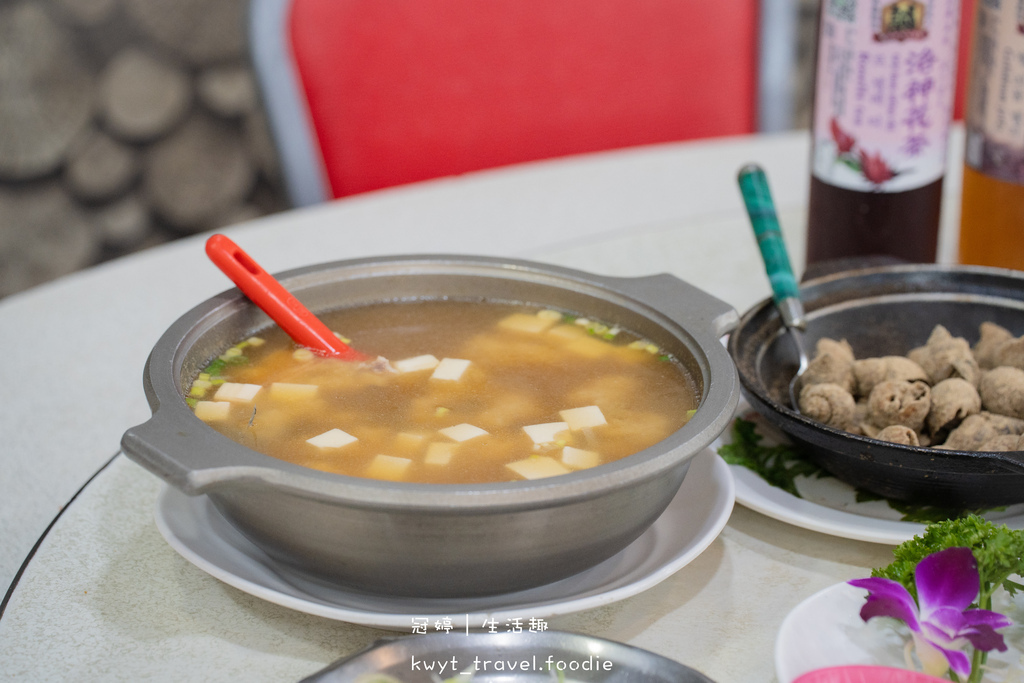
(995, 106)
(884, 92)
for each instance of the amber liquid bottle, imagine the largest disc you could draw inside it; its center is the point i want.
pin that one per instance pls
(853, 223)
(883, 102)
(992, 209)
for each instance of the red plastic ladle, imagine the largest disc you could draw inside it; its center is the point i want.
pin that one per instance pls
(283, 308)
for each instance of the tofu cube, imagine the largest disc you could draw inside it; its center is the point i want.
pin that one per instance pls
(246, 392)
(581, 418)
(212, 411)
(407, 441)
(568, 332)
(537, 467)
(332, 438)
(439, 453)
(416, 363)
(547, 432)
(579, 459)
(525, 322)
(388, 467)
(288, 391)
(462, 432)
(450, 369)
(590, 347)
(233, 391)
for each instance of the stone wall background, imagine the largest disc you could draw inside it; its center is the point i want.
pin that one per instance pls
(124, 124)
(128, 123)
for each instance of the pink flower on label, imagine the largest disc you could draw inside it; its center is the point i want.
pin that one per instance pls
(844, 141)
(875, 169)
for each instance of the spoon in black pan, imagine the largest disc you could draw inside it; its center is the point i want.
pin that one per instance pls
(785, 291)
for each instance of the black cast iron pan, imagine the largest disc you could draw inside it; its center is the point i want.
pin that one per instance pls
(886, 311)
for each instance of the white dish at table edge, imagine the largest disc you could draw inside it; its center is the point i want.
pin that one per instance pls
(826, 630)
(694, 518)
(755, 493)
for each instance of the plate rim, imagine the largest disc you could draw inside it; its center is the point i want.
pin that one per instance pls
(719, 505)
(755, 493)
(782, 668)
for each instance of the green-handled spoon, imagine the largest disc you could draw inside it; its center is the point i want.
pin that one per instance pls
(785, 291)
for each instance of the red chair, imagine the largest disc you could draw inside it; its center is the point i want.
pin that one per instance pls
(963, 62)
(366, 94)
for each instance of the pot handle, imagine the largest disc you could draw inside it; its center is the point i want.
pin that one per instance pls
(139, 444)
(681, 301)
(187, 471)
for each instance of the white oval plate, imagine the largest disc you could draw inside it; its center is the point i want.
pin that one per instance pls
(828, 505)
(694, 518)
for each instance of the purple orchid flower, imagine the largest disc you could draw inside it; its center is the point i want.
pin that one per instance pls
(947, 583)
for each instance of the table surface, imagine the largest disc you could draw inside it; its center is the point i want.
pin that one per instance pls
(102, 596)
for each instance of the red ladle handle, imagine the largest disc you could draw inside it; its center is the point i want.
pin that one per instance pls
(283, 308)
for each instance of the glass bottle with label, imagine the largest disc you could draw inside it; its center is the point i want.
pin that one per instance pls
(992, 210)
(883, 101)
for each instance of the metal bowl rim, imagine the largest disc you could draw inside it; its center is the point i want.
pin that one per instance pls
(509, 645)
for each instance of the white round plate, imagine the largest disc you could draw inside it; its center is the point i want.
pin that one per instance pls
(828, 505)
(826, 630)
(694, 518)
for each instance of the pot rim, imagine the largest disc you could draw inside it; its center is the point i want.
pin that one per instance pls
(693, 317)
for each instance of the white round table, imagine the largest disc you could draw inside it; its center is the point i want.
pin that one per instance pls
(103, 597)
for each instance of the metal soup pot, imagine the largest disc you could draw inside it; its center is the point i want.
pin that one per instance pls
(437, 540)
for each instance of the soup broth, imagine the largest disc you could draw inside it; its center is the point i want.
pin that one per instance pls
(482, 392)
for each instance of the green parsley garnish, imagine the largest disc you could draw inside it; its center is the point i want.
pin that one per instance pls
(998, 550)
(778, 465)
(781, 465)
(929, 514)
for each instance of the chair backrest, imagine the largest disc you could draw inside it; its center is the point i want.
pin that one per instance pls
(963, 62)
(396, 91)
